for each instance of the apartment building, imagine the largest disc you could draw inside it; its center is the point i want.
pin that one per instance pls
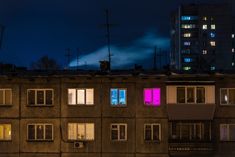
(202, 37)
(118, 114)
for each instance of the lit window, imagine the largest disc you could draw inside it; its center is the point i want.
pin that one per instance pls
(191, 95)
(212, 35)
(232, 49)
(227, 96)
(152, 132)
(233, 64)
(187, 51)
(212, 68)
(204, 18)
(5, 132)
(188, 26)
(227, 132)
(152, 96)
(188, 18)
(212, 43)
(40, 96)
(5, 97)
(40, 132)
(204, 27)
(118, 132)
(187, 60)
(186, 68)
(187, 43)
(81, 131)
(204, 52)
(81, 96)
(187, 35)
(213, 26)
(118, 97)
(233, 35)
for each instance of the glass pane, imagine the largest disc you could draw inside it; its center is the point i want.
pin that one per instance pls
(7, 132)
(40, 132)
(8, 96)
(72, 96)
(1, 132)
(81, 131)
(147, 96)
(49, 97)
(148, 133)
(2, 97)
(190, 95)
(224, 96)
(122, 96)
(223, 133)
(31, 97)
(80, 96)
(232, 132)
(72, 131)
(156, 130)
(40, 97)
(122, 132)
(156, 97)
(114, 134)
(232, 96)
(48, 132)
(185, 131)
(197, 131)
(180, 95)
(31, 132)
(90, 129)
(89, 96)
(200, 95)
(114, 97)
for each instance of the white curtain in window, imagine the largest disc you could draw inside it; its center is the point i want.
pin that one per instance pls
(72, 96)
(90, 131)
(72, 131)
(81, 131)
(89, 96)
(80, 96)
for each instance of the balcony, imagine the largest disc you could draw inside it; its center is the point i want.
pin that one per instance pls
(190, 111)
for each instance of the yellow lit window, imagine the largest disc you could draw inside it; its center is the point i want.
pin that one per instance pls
(204, 18)
(81, 96)
(81, 131)
(213, 26)
(5, 131)
(187, 35)
(204, 27)
(204, 52)
(212, 43)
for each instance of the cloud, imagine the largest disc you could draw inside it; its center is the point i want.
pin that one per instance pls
(136, 52)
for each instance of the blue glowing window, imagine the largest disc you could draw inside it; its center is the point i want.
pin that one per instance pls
(188, 18)
(187, 43)
(212, 35)
(212, 68)
(118, 97)
(187, 60)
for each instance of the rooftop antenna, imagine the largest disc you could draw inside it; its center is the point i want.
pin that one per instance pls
(68, 55)
(160, 58)
(108, 25)
(155, 58)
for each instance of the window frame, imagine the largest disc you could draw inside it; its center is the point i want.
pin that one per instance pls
(151, 104)
(152, 134)
(44, 97)
(77, 123)
(227, 130)
(44, 132)
(4, 139)
(186, 94)
(119, 132)
(227, 92)
(118, 105)
(85, 95)
(4, 97)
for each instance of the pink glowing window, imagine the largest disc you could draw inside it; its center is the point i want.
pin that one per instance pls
(152, 96)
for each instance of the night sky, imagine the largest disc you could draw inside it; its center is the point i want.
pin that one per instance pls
(35, 28)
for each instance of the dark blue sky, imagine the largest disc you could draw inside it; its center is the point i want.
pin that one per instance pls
(47, 27)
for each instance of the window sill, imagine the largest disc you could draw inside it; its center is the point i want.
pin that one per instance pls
(80, 140)
(40, 140)
(6, 105)
(152, 141)
(40, 105)
(118, 106)
(81, 105)
(227, 105)
(118, 140)
(5, 140)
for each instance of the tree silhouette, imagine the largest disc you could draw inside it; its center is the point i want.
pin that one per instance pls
(45, 63)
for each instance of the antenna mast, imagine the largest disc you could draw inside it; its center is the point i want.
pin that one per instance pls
(77, 58)
(68, 55)
(155, 58)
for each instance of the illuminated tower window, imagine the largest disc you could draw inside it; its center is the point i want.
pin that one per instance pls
(212, 43)
(204, 52)
(187, 35)
(232, 49)
(213, 26)
(204, 18)
(204, 27)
